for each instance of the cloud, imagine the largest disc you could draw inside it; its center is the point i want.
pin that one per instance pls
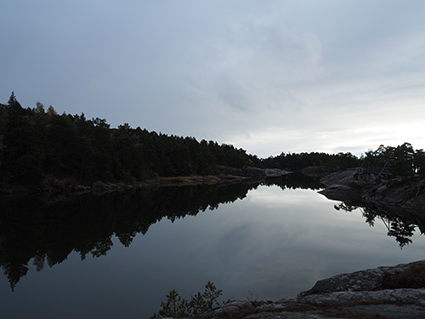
(267, 77)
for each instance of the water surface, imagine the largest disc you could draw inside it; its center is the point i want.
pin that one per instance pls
(252, 241)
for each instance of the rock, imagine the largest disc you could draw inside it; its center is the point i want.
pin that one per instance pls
(341, 192)
(382, 189)
(287, 315)
(390, 311)
(386, 296)
(340, 178)
(371, 189)
(361, 294)
(238, 306)
(248, 172)
(275, 172)
(364, 280)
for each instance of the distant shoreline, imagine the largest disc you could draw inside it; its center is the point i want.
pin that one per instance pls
(52, 185)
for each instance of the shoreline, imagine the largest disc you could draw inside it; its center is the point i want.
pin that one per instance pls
(395, 292)
(402, 192)
(227, 175)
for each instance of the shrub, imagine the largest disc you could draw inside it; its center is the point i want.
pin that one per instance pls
(177, 307)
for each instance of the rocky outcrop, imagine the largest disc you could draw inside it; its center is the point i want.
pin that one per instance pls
(403, 192)
(345, 177)
(246, 173)
(395, 292)
(275, 172)
(249, 173)
(401, 276)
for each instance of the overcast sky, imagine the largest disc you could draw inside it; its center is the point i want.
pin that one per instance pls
(265, 76)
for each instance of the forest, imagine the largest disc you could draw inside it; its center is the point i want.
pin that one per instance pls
(38, 142)
(35, 143)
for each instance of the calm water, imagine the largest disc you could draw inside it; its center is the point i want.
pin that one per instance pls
(264, 242)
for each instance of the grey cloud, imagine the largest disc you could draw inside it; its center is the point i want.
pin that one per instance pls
(273, 76)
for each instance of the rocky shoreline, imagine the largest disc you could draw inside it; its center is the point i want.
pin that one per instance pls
(351, 185)
(396, 292)
(226, 175)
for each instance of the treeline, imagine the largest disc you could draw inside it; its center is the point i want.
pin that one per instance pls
(402, 160)
(296, 162)
(35, 142)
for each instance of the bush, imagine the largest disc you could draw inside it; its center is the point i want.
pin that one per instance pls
(177, 307)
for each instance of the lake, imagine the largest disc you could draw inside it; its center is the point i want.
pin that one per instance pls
(117, 255)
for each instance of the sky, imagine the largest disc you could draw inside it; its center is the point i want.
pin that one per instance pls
(266, 76)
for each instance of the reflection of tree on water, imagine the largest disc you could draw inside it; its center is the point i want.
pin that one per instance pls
(399, 223)
(293, 181)
(48, 232)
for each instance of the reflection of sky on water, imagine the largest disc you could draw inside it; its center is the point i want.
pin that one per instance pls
(270, 245)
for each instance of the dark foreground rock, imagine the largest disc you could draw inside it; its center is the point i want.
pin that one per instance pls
(383, 292)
